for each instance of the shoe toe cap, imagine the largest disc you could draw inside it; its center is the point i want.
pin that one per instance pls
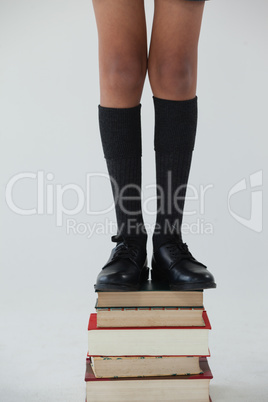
(189, 271)
(120, 272)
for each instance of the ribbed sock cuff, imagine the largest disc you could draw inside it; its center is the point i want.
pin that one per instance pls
(120, 130)
(175, 124)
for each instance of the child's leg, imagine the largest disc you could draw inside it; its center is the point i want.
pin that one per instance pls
(172, 69)
(172, 64)
(122, 51)
(123, 65)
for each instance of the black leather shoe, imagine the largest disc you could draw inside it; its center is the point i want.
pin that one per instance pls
(126, 267)
(173, 263)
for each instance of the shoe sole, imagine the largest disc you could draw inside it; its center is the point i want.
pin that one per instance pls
(124, 288)
(160, 277)
(193, 286)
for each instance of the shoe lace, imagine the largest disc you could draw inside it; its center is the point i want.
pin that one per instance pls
(178, 248)
(125, 248)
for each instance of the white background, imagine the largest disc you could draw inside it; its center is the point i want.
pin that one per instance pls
(48, 102)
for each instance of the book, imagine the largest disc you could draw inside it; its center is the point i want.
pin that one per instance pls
(151, 294)
(210, 400)
(191, 388)
(149, 317)
(148, 341)
(144, 366)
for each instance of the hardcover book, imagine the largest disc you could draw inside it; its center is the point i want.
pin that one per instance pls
(191, 388)
(144, 366)
(148, 341)
(151, 294)
(149, 317)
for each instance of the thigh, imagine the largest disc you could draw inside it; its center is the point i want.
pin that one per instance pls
(175, 35)
(122, 37)
(176, 26)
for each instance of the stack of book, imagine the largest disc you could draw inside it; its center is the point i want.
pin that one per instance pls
(148, 345)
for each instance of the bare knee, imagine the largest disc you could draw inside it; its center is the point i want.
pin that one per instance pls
(123, 74)
(173, 79)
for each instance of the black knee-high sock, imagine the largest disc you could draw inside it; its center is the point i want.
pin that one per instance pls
(120, 130)
(175, 131)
